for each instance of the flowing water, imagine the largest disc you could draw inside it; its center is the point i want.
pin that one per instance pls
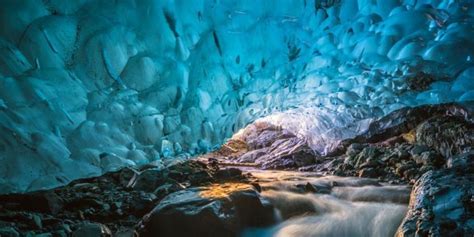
(340, 207)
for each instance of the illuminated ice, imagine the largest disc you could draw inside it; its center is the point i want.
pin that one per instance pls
(92, 86)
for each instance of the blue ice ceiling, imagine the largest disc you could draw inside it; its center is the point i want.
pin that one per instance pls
(89, 86)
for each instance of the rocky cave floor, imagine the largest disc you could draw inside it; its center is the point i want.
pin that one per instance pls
(218, 194)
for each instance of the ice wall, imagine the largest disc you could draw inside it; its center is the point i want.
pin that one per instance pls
(88, 86)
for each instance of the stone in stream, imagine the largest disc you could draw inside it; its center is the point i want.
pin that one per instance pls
(8, 232)
(92, 230)
(218, 210)
(442, 202)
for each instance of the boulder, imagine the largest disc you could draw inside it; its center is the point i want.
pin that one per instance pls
(449, 135)
(217, 210)
(9, 232)
(441, 204)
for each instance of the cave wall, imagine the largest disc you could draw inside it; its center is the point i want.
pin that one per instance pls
(89, 86)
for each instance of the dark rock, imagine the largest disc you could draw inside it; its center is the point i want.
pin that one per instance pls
(9, 232)
(420, 81)
(41, 201)
(402, 121)
(370, 173)
(143, 203)
(309, 188)
(228, 173)
(256, 186)
(441, 204)
(92, 230)
(220, 210)
(368, 154)
(44, 235)
(463, 161)
(127, 177)
(429, 158)
(354, 149)
(449, 135)
(149, 180)
(418, 149)
(126, 233)
(200, 178)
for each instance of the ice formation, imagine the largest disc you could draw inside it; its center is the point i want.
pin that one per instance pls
(89, 86)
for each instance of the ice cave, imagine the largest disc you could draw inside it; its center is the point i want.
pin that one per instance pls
(249, 118)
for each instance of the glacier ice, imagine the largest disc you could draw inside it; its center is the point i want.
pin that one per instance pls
(89, 86)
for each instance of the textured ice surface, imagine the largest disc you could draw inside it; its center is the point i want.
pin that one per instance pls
(88, 86)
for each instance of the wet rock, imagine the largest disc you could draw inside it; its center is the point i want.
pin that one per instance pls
(127, 176)
(44, 235)
(429, 158)
(402, 121)
(225, 174)
(441, 204)
(9, 232)
(310, 188)
(272, 147)
(463, 161)
(368, 154)
(126, 233)
(418, 149)
(149, 180)
(355, 149)
(41, 201)
(370, 173)
(92, 230)
(252, 156)
(287, 154)
(449, 135)
(220, 210)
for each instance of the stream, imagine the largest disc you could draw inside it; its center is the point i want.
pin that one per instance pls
(307, 204)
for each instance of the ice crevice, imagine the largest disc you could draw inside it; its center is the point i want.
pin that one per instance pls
(90, 86)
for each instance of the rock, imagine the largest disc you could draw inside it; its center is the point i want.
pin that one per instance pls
(272, 147)
(449, 135)
(41, 201)
(92, 230)
(256, 186)
(370, 173)
(429, 158)
(218, 210)
(252, 156)
(127, 176)
(286, 154)
(37, 220)
(200, 178)
(401, 121)
(309, 188)
(125, 233)
(441, 204)
(367, 154)
(142, 204)
(354, 149)
(418, 149)
(225, 174)
(8, 232)
(463, 161)
(420, 81)
(44, 235)
(149, 180)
